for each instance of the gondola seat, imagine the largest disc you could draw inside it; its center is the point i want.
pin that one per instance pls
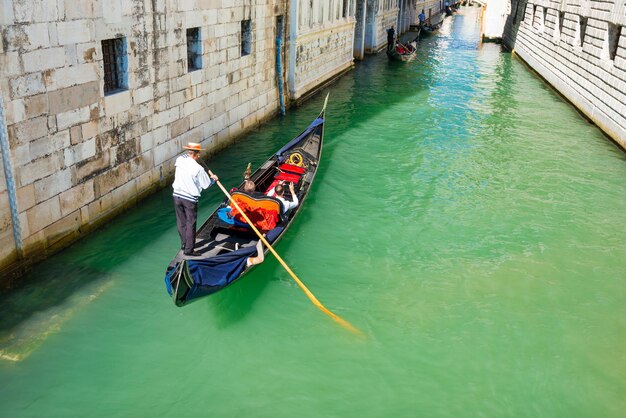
(264, 211)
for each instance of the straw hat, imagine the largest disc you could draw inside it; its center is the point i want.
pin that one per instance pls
(193, 146)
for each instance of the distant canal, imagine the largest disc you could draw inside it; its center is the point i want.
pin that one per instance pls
(464, 217)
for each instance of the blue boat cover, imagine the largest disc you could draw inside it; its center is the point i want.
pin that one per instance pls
(212, 274)
(224, 215)
(317, 122)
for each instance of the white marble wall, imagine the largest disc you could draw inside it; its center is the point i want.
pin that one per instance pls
(588, 70)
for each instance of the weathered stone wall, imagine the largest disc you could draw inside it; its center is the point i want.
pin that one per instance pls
(382, 14)
(79, 156)
(433, 9)
(322, 54)
(321, 42)
(585, 63)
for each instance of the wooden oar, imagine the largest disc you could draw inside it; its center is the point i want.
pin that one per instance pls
(310, 295)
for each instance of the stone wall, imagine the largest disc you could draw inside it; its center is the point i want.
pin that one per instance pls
(80, 156)
(579, 47)
(321, 43)
(382, 14)
(321, 55)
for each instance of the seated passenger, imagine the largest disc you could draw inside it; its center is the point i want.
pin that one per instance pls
(279, 191)
(248, 186)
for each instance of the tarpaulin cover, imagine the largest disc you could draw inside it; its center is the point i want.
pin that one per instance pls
(225, 216)
(317, 122)
(264, 219)
(211, 274)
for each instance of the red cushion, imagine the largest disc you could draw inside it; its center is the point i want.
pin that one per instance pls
(292, 168)
(294, 178)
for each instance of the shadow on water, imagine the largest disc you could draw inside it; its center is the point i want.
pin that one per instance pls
(373, 86)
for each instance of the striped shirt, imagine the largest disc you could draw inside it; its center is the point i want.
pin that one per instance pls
(190, 178)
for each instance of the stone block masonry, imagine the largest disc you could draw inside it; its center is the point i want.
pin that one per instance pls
(580, 49)
(93, 127)
(100, 96)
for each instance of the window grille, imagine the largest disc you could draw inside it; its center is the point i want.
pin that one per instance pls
(561, 21)
(582, 28)
(615, 32)
(194, 49)
(115, 65)
(246, 38)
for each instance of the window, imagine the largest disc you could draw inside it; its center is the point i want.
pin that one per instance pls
(345, 6)
(115, 62)
(561, 20)
(582, 22)
(614, 34)
(279, 27)
(246, 38)
(194, 49)
(544, 14)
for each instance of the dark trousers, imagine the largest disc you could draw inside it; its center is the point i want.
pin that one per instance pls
(186, 215)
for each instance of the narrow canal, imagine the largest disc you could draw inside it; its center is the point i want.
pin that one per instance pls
(468, 220)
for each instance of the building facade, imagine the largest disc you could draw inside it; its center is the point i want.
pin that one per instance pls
(579, 47)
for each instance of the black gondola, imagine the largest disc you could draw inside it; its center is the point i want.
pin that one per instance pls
(224, 242)
(403, 52)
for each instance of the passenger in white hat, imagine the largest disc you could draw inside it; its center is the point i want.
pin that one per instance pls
(190, 179)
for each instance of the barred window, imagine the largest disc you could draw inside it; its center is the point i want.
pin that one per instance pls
(246, 37)
(561, 20)
(582, 29)
(615, 32)
(115, 62)
(194, 49)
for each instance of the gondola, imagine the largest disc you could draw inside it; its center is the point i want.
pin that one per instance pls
(224, 242)
(403, 52)
(428, 30)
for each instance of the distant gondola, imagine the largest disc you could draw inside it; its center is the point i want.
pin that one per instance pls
(403, 52)
(225, 243)
(427, 30)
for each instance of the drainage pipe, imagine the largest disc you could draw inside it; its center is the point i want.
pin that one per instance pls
(8, 174)
(279, 69)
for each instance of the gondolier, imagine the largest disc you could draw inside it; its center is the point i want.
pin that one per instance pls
(391, 38)
(190, 179)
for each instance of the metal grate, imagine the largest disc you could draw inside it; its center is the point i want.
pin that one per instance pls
(194, 49)
(112, 55)
(246, 37)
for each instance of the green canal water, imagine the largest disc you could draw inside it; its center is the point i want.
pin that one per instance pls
(464, 217)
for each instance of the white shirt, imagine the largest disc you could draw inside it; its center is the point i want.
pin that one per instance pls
(190, 178)
(286, 203)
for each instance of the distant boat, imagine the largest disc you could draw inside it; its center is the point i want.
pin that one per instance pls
(225, 242)
(428, 30)
(403, 52)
